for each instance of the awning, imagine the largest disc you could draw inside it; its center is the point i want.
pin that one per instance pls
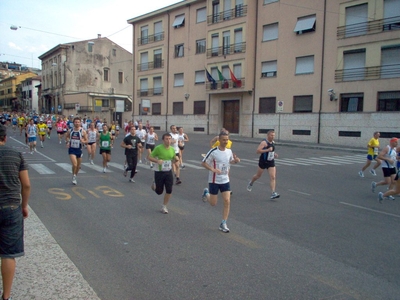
(305, 23)
(179, 20)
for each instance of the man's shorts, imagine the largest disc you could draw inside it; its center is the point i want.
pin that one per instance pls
(387, 172)
(75, 151)
(11, 232)
(32, 139)
(105, 151)
(265, 164)
(215, 187)
(60, 132)
(162, 178)
(371, 157)
(150, 146)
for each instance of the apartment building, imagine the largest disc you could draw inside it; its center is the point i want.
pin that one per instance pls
(91, 77)
(314, 71)
(28, 90)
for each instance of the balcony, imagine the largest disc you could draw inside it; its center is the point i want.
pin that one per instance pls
(150, 92)
(375, 26)
(368, 73)
(226, 50)
(158, 64)
(227, 84)
(150, 39)
(237, 12)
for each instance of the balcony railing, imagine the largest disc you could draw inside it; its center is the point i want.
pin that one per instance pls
(150, 92)
(368, 73)
(150, 39)
(375, 26)
(226, 50)
(237, 12)
(225, 85)
(151, 65)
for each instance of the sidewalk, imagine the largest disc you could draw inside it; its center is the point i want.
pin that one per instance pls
(46, 272)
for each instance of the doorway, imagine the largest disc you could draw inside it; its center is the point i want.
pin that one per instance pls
(231, 115)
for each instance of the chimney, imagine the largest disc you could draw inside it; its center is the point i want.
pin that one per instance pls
(99, 36)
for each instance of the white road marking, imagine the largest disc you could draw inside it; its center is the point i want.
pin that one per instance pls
(370, 209)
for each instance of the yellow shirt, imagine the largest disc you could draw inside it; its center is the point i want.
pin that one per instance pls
(229, 145)
(374, 143)
(42, 128)
(21, 120)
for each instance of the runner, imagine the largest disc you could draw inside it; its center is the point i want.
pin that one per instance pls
(141, 134)
(131, 143)
(74, 140)
(116, 130)
(49, 124)
(151, 138)
(218, 161)
(92, 134)
(104, 141)
(31, 132)
(164, 156)
(112, 130)
(14, 122)
(266, 149)
(42, 127)
(182, 138)
(175, 145)
(21, 123)
(373, 151)
(61, 129)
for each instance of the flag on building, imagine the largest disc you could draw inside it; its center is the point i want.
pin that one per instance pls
(211, 80)
(237, 82)
(224, 82)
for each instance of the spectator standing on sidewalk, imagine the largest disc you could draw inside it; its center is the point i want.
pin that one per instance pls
(15, 189)
(266, 149)
(373, 151)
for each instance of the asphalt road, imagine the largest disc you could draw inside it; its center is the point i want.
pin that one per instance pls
(326, 237)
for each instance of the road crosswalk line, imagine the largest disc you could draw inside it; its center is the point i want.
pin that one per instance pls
(67, 167)
(96, 167)
(41, 169)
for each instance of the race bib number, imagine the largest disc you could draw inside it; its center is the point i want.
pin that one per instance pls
(166, 165)
(75, 143)
(59, 128)
(271, 156)
(223, 168)
(105, 144)
(376, 150)
(151, 140)
(112, 131)
(42, 129)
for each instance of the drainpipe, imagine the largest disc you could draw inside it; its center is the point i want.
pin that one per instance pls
(255, 74)
(322, 76)
(166, 111)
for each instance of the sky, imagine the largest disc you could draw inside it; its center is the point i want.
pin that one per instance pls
(43, 24)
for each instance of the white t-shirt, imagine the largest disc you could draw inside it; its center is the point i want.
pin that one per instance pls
(175, 136)
(141, 134)
(219, 160)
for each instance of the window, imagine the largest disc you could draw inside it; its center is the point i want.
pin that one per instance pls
(200, 46)
(201, 15)
(105, 103)
(156, 108)
(177, 108)
(90, 47)
(144, 35)
(356, 20)
(157, 84)
(226, 41)
(351, 102)
(215, 11)
(270, 32)
(238, 40)
(144, 61)
(214, 44)
(389, 101)
(120, 77)
(239, 8)
(114, 52)
(179, 50)
(302, 104)
(106, 75)
(199, 107)
(158, 59)
(270, 1)
(237, 70)
(267, 105)
(144, 87)
(178, 79)
(391, 15)
(179, 21)
(158, 31)
(390, 62)
(354, 65)
(227, 10)
(305, 65)
(268, 68)
(305, 24)
(199, 77)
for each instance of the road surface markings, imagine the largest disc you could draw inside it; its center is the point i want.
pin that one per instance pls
(370, 209)
(41, 169)
(67, 167)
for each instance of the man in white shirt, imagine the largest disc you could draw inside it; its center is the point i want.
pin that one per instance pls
(175, 144)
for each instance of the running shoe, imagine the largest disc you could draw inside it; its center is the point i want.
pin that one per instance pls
(373, 186)
(380, 197)
(178, 181)
(74, 180)
(361, 173)
(249, 186)
(183, 166)
(125, 173)
(131, 180)
(151, 165)
(275, 195)
(223, 227)
(164, 209)
(140, 161)
(372, 171)
(391, 198)
(60, 142)
(91, 162)
(204, 196)
(104, 170)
